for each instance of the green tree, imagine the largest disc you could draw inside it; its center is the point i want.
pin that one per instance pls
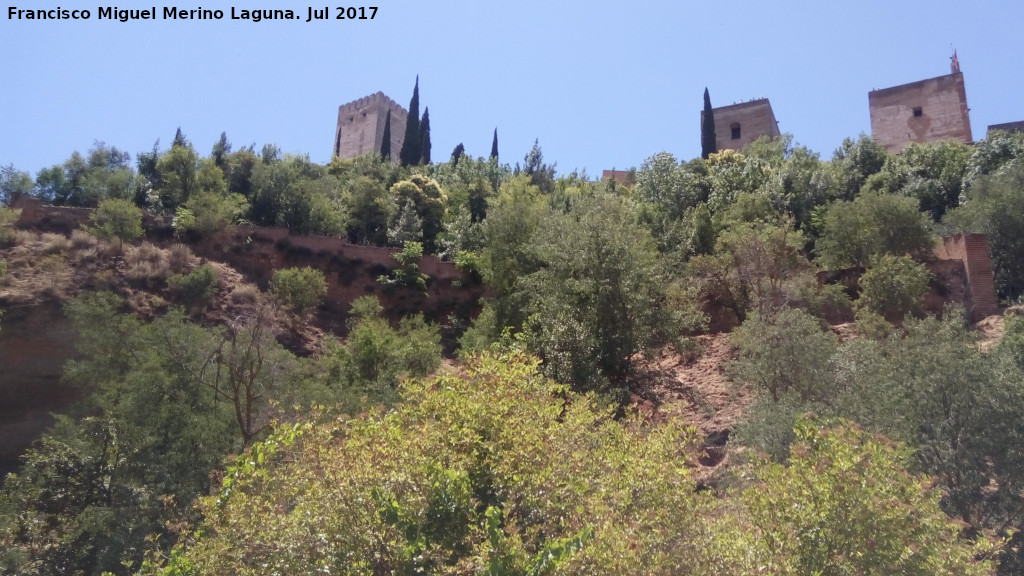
(179, 176)
(994, 206)
(408, 272)
(13, 182)
(956, 406)
(596, 300)
(708, 139)
(852, 163)
(410, 153)
(457, 154)
(489, 471)
(96, 493)
(425, 137)
(509, 254)
(845, 504)
(301, 289)
(116, 218)
(429, 201)
(894, 287)
(370, 208)
(196, 288)
(854, 233)
(211, 212)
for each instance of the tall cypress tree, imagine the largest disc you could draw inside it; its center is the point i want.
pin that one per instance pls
(410, 153)
(457, 153)
(494, 145)
(708, 140)
(385, 146)
(425, 137)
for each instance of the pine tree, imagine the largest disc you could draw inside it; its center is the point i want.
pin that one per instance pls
(179, 139)
(708, 140)
(494, 145)
(410, 153)
(425, 137)
(457, 153)
(385, 146)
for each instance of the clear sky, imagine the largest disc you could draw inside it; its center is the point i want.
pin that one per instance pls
(601, 84)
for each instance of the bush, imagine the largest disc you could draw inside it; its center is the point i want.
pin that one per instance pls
(408, 272)
(117, 219)
(856, 233)
(894, 287)
(846, 505)
(197, 287)
(146, 262)
(301, 289)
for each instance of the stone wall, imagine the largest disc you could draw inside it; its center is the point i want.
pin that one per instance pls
(751, 119)
(972, 250)
(351, 271)
(360, 126)
(924, 111)
(1007, 127)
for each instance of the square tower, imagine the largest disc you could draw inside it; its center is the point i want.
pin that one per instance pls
(923, 111)
(740, 124)
(361, 126)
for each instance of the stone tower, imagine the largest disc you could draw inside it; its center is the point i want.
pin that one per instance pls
(361, 126)
(740, 124)
(922, 111)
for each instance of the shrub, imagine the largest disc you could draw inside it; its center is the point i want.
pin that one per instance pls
(846, 505)
(408, 272)
(82, 240)
(894, 287)
(301, 289)
(146, 262)
(54, 243)
(119, 219)
(856, 233)
(197, 287)
(179, 257)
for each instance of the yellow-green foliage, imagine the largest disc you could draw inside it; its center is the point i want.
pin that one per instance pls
(492, 472)
(845, 504)
(500, 471)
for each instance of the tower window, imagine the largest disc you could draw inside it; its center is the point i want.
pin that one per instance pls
(735, 131)
(918, 112)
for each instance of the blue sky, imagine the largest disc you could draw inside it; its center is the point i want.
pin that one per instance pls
(601, 84)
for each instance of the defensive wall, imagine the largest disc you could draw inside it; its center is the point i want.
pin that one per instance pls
(351, 270)
(963, 266)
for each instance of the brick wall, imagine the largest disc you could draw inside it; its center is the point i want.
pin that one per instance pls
(972, 250)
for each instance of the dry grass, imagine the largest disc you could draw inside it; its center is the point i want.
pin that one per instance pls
(55, 243)
(82, 240)
(246, 295)
(146, 262)
(180, 258)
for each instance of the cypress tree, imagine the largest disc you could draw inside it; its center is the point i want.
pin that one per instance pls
(494, 145)
(385, 146)
(708, 140)
(425, 137)
(410, 153)
(457, 153)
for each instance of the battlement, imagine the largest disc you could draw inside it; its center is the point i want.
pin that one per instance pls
(923, 111)
(360, 128)
(740, 124)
